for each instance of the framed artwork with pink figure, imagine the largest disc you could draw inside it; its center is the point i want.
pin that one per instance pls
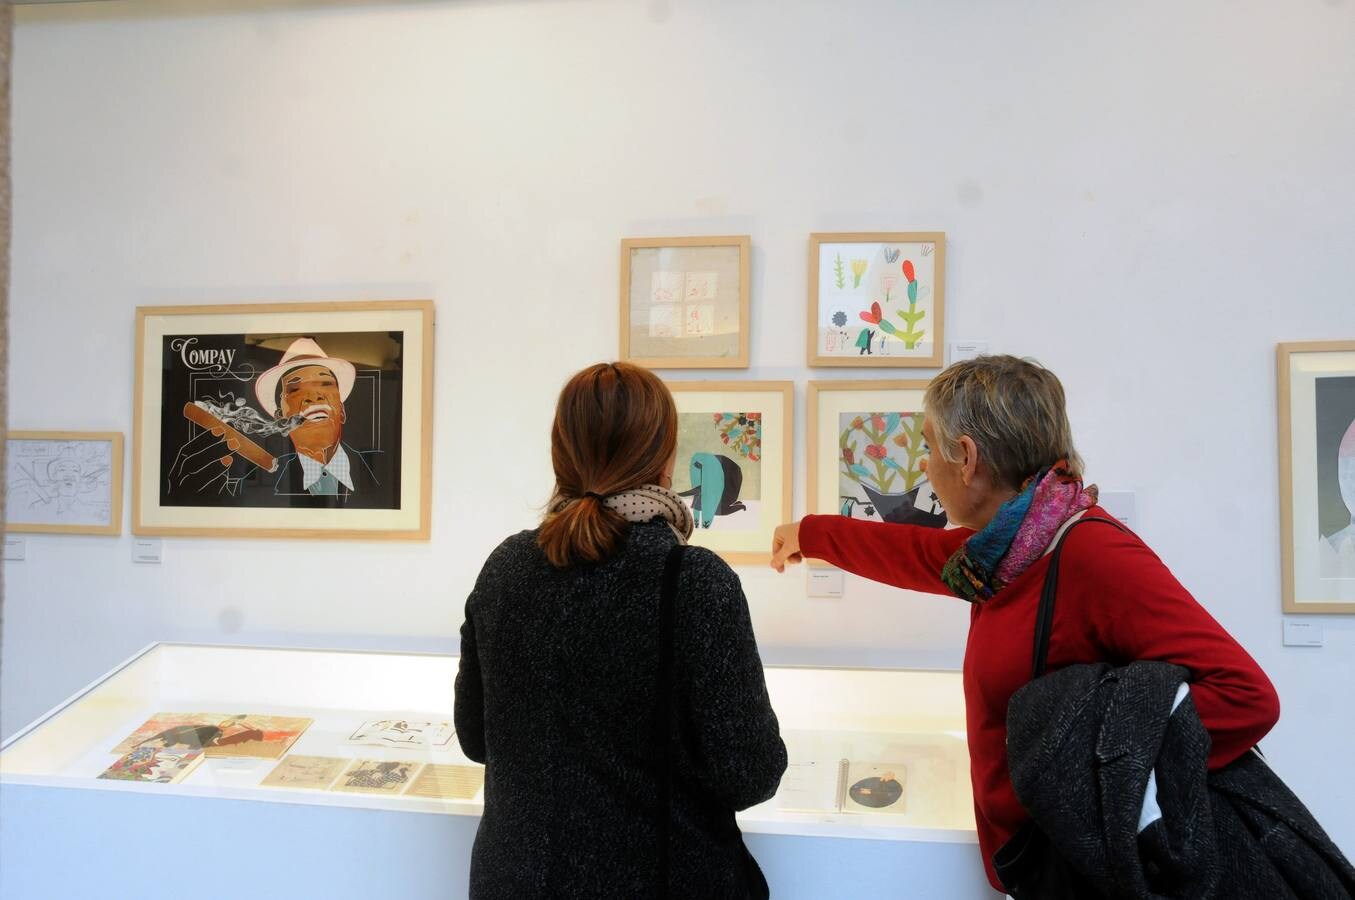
(877, 299)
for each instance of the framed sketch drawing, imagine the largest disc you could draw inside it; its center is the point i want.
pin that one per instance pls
(1317, 475)
(734, 463)
(63, 482)
(866, 452)
(877, 299)
(684, 302)
(284, 420)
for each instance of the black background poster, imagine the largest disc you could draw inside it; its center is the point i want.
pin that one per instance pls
(222, 372)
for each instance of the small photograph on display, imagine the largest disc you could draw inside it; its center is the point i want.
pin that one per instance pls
(312, 772)
(880, 473)
(1335, 444)
(403, 733)
(448, 782)
(719, 468)
(219, 735)
(155, 764)
(376, 776)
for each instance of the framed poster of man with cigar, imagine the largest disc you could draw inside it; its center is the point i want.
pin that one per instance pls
(284, 420)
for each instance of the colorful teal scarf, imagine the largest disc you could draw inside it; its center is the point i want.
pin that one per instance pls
(1018, 535)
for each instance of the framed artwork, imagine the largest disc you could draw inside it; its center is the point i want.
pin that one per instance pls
(63, 482)
(877, 299)
(866, 452)
(284, 420)
(1317, 475)
(734, 463)
(684, 302)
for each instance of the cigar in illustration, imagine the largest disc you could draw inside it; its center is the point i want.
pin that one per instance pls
(199, 414)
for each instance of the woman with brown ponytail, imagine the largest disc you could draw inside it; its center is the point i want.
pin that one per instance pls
(609, 680)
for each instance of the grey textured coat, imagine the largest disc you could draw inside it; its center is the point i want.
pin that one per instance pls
(556, 694)
(1081, 743)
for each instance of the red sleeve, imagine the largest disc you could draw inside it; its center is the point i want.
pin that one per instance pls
(1139, 611)
(906, 556)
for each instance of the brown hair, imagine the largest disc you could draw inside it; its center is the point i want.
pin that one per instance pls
(615, 429)
(1013, 409)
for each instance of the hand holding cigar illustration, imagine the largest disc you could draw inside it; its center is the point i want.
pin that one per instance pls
(218, 458)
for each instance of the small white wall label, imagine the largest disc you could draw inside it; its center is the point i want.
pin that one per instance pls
(1120, 504)
(1302, 634)
(825, 582)
(147, 551)
(962, 350)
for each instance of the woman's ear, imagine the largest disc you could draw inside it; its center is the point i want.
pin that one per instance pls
(969, 459)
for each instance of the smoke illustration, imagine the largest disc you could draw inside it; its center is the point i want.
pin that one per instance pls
(247, 420)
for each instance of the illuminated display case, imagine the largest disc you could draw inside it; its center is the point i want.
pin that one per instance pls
(876, 801)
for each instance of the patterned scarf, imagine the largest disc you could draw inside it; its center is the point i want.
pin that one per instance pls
(644, 504)
(1018, 535)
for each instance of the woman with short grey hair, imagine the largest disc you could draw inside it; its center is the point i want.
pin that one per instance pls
(1003, 466)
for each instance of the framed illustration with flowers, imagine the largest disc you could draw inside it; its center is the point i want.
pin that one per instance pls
(734, 463)
(684, 302)
(877, 299)
(867, 455)
(284, 420)
(1317, 475)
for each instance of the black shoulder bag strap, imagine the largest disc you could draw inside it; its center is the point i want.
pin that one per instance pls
(1044, 619)
(1026, 864)
(663, 711)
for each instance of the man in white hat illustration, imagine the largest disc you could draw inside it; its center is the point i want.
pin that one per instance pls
(312, 385)
(303, 397)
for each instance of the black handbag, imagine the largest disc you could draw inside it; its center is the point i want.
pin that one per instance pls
(1027, 864)
(663, 715)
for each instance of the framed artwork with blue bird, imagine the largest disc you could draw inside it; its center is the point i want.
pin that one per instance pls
(734, 463)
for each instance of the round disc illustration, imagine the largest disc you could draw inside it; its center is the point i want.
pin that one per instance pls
(876, 792)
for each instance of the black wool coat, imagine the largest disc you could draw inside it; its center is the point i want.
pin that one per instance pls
(556, 696)
(1082, 744)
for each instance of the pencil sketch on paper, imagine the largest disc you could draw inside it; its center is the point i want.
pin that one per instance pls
(666, 286)
(702, 286)
(403, 733)
(59, 482)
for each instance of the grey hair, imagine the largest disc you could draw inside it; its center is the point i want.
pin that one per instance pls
(1014, 411)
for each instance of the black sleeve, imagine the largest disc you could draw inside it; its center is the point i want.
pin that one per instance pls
(469, 705)
(738, 754)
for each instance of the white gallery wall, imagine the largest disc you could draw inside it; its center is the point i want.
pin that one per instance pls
(1146, 197)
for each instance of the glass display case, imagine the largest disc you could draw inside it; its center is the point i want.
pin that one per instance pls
(301, 744)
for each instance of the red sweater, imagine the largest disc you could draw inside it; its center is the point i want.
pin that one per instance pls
(1117, 603)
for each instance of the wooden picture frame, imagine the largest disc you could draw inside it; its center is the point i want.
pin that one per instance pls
(752, 467)
(877, 299)
(682, 298)
(63, 482)
(849, 421)
(284, 420)
(1316, 388)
